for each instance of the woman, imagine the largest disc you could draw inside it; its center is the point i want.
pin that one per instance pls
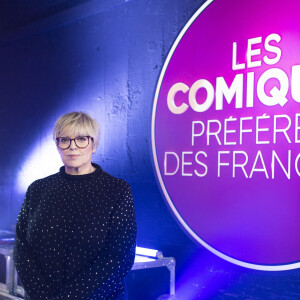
(76, 231)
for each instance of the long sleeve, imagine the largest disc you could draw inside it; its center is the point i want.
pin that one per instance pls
(108, 269)
(26, 263)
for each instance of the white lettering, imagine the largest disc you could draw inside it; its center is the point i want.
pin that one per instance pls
(201, 164)
(202, 83)
(236, 89)
(273, 49)
(287, 172)
(255, 169)
(177, 87)
(284, 130)
(253, 52)
(278, 96)
(221, 163)
(166, 166)
(239, 165)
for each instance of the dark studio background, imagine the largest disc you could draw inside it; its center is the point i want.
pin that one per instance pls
(104, 57)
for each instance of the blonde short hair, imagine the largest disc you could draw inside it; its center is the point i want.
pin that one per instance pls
(77, 123)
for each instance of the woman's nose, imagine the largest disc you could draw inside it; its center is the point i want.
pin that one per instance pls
(73, 145)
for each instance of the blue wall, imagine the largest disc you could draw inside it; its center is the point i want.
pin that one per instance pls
(104, 57)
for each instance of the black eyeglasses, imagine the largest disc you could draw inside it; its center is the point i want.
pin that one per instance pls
(81, 142)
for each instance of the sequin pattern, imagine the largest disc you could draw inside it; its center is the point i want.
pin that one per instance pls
(75, 237)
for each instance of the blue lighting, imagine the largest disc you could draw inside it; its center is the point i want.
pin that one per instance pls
(201, 279)
(44, 160)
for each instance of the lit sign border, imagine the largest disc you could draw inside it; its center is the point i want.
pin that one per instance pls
(282, 267)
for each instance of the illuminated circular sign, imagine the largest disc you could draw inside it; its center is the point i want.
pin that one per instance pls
(226, 131)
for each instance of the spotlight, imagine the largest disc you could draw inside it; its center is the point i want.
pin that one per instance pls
(148, 252)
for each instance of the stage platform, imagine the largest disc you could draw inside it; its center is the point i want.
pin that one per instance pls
(11, 288)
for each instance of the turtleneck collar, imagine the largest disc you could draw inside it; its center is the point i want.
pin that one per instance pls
(97, 173)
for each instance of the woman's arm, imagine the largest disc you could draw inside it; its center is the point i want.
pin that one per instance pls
(26, 263)
(114, 261)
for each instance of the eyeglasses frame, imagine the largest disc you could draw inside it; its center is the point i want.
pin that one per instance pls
(87, 136)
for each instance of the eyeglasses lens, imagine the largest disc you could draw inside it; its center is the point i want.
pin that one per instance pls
(80, 141)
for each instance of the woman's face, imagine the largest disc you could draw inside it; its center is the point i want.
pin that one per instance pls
(76, 160)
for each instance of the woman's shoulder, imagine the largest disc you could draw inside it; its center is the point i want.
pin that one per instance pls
(48, 180)
(114, 181)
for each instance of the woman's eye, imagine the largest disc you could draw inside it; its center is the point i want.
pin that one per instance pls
(81, 138)
(64, 140)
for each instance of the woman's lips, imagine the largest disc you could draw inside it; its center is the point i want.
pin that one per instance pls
(73, 155)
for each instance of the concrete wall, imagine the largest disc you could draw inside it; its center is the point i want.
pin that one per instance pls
(104, 57)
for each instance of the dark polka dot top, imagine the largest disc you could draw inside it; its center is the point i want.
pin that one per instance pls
(75, 237)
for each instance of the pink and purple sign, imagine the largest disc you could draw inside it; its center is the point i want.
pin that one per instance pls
(226, 131)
